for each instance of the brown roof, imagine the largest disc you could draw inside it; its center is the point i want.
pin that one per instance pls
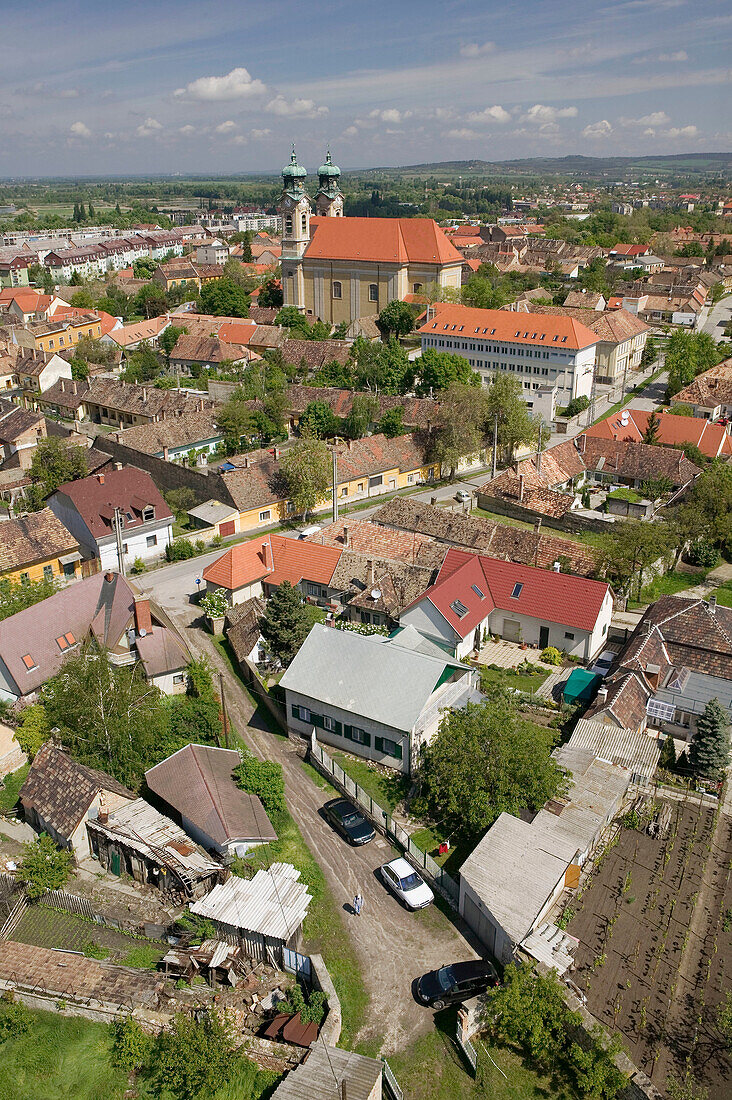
(371, 539)
(639, 461)
(161, 651)
(375, 454)
(129, 489)
(197, 782)
(125, 397)
(61, 791)
(15, 422)
(242, 626)
(179, 431)
(396, 583)
(316, 353)
(498, 539)
(35, 537)
(206, 349)
(93, 980)
(612, 326)
(419, 412)
(712, 388)
(522, 485)
(262, 315)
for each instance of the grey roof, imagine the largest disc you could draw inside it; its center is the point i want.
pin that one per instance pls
(161, 651)
(698, 688)
(273, 903)
(365, 675)
(408, 637)
(212, 511)
(636, 751)
(322, 1073)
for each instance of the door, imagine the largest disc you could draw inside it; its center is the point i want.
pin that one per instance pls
(114, 862)
(511, 630)
(227, 528)
(543, 637)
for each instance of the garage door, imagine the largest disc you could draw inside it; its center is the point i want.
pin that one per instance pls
(484, 928)
(511, 630)
(227, 528)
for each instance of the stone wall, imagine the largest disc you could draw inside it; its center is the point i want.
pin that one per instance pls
(331, 1030)
(207, 485)
(570, 521)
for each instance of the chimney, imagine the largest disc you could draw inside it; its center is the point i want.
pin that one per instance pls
(713, 605)
(63, 385)
(349, 443)
(276, 453)
(602, 695)
(246, 462)
(166, 454)
(109, 577)
(345, 536)
(201, 405)
(74, 387)
(118, 465)
(144, 393)
(537, 527)
(143, 619)
(557, 567)
(103, 815)
(521, 487)
(267, 554)
(370, 571)
(100, 478)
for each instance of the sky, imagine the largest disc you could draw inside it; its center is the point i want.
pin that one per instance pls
(222, 86)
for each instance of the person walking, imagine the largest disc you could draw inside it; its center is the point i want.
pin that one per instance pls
(357, 904)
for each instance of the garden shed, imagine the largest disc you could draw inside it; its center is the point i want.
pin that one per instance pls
(581, 686)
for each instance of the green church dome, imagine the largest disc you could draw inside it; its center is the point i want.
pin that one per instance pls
(329, 168)
(293, 170)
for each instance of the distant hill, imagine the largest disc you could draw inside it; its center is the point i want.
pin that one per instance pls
(677, 164)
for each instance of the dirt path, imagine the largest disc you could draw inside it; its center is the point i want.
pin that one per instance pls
(393, 946)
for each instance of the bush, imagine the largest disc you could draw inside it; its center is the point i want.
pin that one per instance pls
(131, 1046)
(180, 550)
(576, 406)
(15, 1019)
(311, 1010)
(138, 566)
(265, 779)
(551, 655)
(704, 553)
(43, 867)
(667, 759)
(215, 604)
(34, 729)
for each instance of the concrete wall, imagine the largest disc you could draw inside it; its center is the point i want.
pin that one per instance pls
(168, 475)
(331, 1030)
(570, 521)
(345, 744)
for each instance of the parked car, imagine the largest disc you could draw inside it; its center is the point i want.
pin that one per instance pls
(456, 982)
(348, 820)
(602, 665)
(463, 496)
(409, 886)
(309, 531)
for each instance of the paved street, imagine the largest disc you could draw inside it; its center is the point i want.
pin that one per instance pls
(719, 316)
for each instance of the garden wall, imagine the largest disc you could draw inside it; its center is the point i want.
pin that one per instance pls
(570, 521)
(331, 1030)
(258, 690)
(168, 475)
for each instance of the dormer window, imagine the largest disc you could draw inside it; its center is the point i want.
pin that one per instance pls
(148, 513)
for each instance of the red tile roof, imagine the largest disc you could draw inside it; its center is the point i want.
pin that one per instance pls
(129, 489)
(711, 439)
(535, 328)
(380, 240)
(275, 559)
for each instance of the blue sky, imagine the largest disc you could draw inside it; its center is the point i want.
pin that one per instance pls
(221, 86)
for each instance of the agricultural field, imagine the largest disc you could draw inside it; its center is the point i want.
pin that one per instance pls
(655, 944)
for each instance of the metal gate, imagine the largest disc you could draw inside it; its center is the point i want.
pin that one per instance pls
(388, 1079)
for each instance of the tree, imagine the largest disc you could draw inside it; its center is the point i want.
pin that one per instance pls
(504, 398)
(93, 350)
(685, 1088)
(482, 293)
(82, 299)
(144, 267)
(707, 510)
(194, 1058)
(383, 368)
(16, 597)
(653, 488)
(246, 246)
(235, 271)
(577, 405)
(710, 750)
(131, 1046)
(180, 500)
(437, 371)
(667, 759)
(484, 761)
(224, 298)
(364, 410)
(307, 469)
(143, 364)
(150, 301)
(650, 352)
(270, 294)
(689, 354)
(235, 421)
(285, 624)
(291, 317)
(653, 427)
(461, 417)
(265, 779)
(396, 319)
(318, 420)
(43, 866)
(55, 462)
(628, 550)
(34, 729)
(392, 422)
(169, 338)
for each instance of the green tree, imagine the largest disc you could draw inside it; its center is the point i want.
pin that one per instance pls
(265, 779)
(577, 405)
(16, 597)
(364, 410)
(180, 500)
(689, 354)
(650, 352)
(392, 422)
(382, 368)
(131, 1046)
(437, 371)
(707, 509)
(270, 294)
(195, 1057)
(169, 338)
(318, 421)
(396, 319)
(144, 267)
(710, 750)
(291, 317)
(150, 301)
(653, 488)
(43, 866)
(504, 398)
(55, 462)
(82, 299)
(628, 550)
(653, 427)
(224, 298)
(235, 421)
(685, 1087)
(667, 759)
(34, 729)
(484, 761)
(143, 364)
(93, 350)
(481, 293)
(307, 469)
(461, 418)
(285, 624)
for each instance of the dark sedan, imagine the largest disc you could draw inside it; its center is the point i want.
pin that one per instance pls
(349, 821)
(456, 982)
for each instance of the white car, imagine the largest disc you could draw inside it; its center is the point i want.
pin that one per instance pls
(463, 496)
(602, 665)
(409, 886)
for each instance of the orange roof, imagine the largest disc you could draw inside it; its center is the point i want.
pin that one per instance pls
(29, 300)
(237, 332)
(673, 430)
(274, 558)
(381, 240)
(523, 328)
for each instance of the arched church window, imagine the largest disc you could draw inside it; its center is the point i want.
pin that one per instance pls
(304, 223)
(288, 224)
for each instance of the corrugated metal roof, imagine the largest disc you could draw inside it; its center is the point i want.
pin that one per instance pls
(321, 1075)
(273, 903)
(141, 827)
(636, 751)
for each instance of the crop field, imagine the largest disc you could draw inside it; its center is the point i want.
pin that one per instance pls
(655, 951)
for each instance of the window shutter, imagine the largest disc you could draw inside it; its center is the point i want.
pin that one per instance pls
(367, 740)
(398, 751)
(339, 728)
(295, 710)
(316, 720)
(378, 744)
(347, 732)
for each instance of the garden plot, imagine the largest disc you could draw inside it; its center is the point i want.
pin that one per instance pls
(47, 927)
(654, 958)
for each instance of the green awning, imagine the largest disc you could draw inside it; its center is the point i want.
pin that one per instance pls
(581, 686)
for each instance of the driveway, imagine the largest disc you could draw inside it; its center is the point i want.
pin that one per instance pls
(393, 946)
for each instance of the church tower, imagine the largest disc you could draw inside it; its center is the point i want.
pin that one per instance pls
(294, 209)
(329, 199)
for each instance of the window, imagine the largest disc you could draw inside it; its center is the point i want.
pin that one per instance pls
(48, 572)
(344, 491)
(125, 548)
(477, 591)
(517, 590)
(148, 513)
(337, 289)
(313, 589)
(28, 661)
(373, 292)
(266, 515)
(151, 540)
(390, 747)
(568, 634)
(178, 678)
(303, 713)
(329, 723)
(459, 608)
(359, 736)
(304, 223)
(360, 486)
(25, 578)
(288, 225)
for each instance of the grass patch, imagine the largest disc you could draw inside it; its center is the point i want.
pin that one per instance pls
(669, 584)
(497, 518)
(315, 614)
(724, 594)
(143, 957)
(388, 789)
(625, 494)
(318, 779)
(518, 681)
(11, 787)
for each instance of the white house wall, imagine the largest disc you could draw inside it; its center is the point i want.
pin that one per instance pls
(375, 729)
(425, 618)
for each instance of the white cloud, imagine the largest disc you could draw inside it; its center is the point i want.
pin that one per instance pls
(679, 55)
(148, 128)
(80, 129)
(238, 84)
(682, 132)
(300, 108)
(541, 113)
(187, 129)
(258, 134)
(476, 49)
(390, 114)
(462, 134)
(68, 93)
(655, 118)
(350, 131)
(238, 140)
(226, 127)
(597, 129)
(490, 114)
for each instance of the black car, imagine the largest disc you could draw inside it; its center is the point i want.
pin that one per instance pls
(349, 821)
(456, 982)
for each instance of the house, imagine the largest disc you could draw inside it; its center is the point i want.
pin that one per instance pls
(213, 252)
(618, 461)
(241, 627)
(119, 404)
(59, 796)
(173, 438)
(212, 514)
(205, 351)
(338, 269)
(120, 510)
(544, 350)
(136, 840)
(177, 273)
(621, 337)
(376, 592)
(265, 913)
(39, 371)
(102, 609)
(28, 304)
(130, 337)
(631, 424)
(329, 1073)
(372, 540)
(197, 786)
(12, 756)
(677, 659)
(257, 567)
(710, 394)
(350, 689)
(58, 335)
(475, 595)
(585, 299)
(20, 431)
(37, 547)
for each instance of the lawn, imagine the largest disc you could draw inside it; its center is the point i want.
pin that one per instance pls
(668, 584)
(10, 788)
(627, 494)
(518, 681)
(386, 788)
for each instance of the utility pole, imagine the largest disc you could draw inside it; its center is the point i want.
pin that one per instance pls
(224, 715)
(538, 453)
(118, 533)
(495, 442)
(335, 485)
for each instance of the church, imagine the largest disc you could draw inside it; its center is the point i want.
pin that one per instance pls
(337, 269)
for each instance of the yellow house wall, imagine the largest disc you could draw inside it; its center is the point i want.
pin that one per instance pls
(35, 571)
(393, 280)
(71, 336)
